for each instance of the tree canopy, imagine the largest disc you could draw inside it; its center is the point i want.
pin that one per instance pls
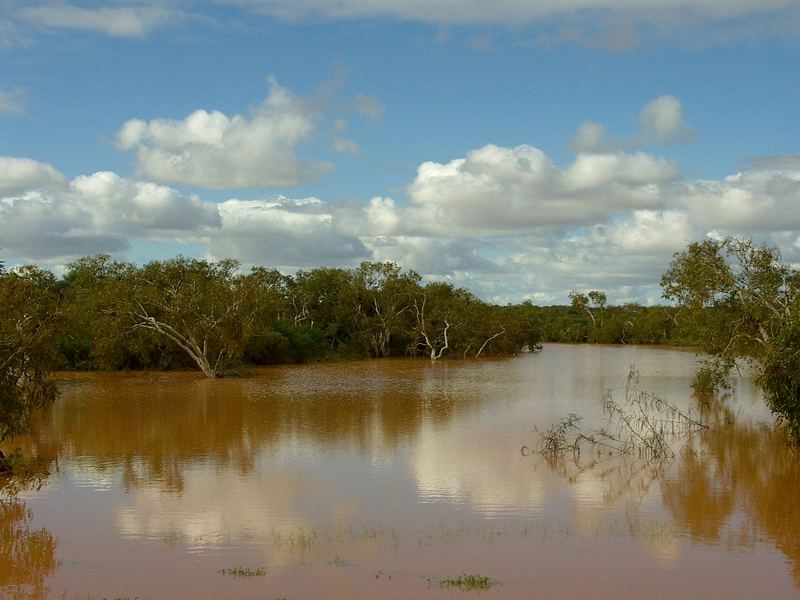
(744, 302)
(30, 311)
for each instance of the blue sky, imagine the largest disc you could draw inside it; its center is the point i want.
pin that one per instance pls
(522, 149)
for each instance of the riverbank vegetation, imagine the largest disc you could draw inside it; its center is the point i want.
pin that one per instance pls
(187, 313)
(29, 322)
(744, 303)
(731, 299)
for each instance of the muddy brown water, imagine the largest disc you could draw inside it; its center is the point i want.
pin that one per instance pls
(384, 479)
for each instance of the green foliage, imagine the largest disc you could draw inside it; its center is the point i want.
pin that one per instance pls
(28, 321)
(713, 375)
(744, 303)
(188, 313)
(780, 376)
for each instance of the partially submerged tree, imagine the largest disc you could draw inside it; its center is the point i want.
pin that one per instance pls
(432, 323)
(745, 304)
(201, 306)
(30, 311)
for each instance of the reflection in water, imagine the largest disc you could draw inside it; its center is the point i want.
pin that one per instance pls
(735, 483)
(744, 471)
(334, 457)
(27, 557)
(153, 426)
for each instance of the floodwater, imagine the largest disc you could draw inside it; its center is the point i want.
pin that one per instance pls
(392, 478)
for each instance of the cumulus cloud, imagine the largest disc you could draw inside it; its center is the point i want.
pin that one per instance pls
(661, 122)
(211, 149)
(382, 216)
(123, 21)
(502, 191)
(214, 150)
(18, 175)
(431, 256)
(592, 137)
(509, 223)
(284, 232)
(116, 202)
(44, 216)
(662, 117)
(756, 200)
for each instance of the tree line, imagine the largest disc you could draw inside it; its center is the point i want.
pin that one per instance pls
(730, 298)
(180, 313)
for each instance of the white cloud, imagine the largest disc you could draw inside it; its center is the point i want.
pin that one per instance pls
(383, 217)
(510, 224)
(662, 117)
(38, 226)
(661, 122)
(650, 232)
(597, 171)
(118, 203)
(756, 200)
(506, 222)
(18, 175)
(43, 216)
(592, 137)
(431, 256)
(123, 21)
(213, 150)
(502, 191)
(284, 232)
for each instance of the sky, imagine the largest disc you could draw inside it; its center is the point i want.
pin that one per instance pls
(519, 148)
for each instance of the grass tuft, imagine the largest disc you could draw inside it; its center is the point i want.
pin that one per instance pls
(243, 572)
(468, 583)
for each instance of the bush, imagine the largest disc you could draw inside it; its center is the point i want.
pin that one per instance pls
(780, 378)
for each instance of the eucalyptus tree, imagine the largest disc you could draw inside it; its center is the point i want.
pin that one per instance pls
(96, 332)
(326, 299)
(744, 302)
(28, 320)
(444, 320)
(267, 296)
(385, 302)
(593, 299)
(200, 306)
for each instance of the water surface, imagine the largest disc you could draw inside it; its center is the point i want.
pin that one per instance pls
(385, 478)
